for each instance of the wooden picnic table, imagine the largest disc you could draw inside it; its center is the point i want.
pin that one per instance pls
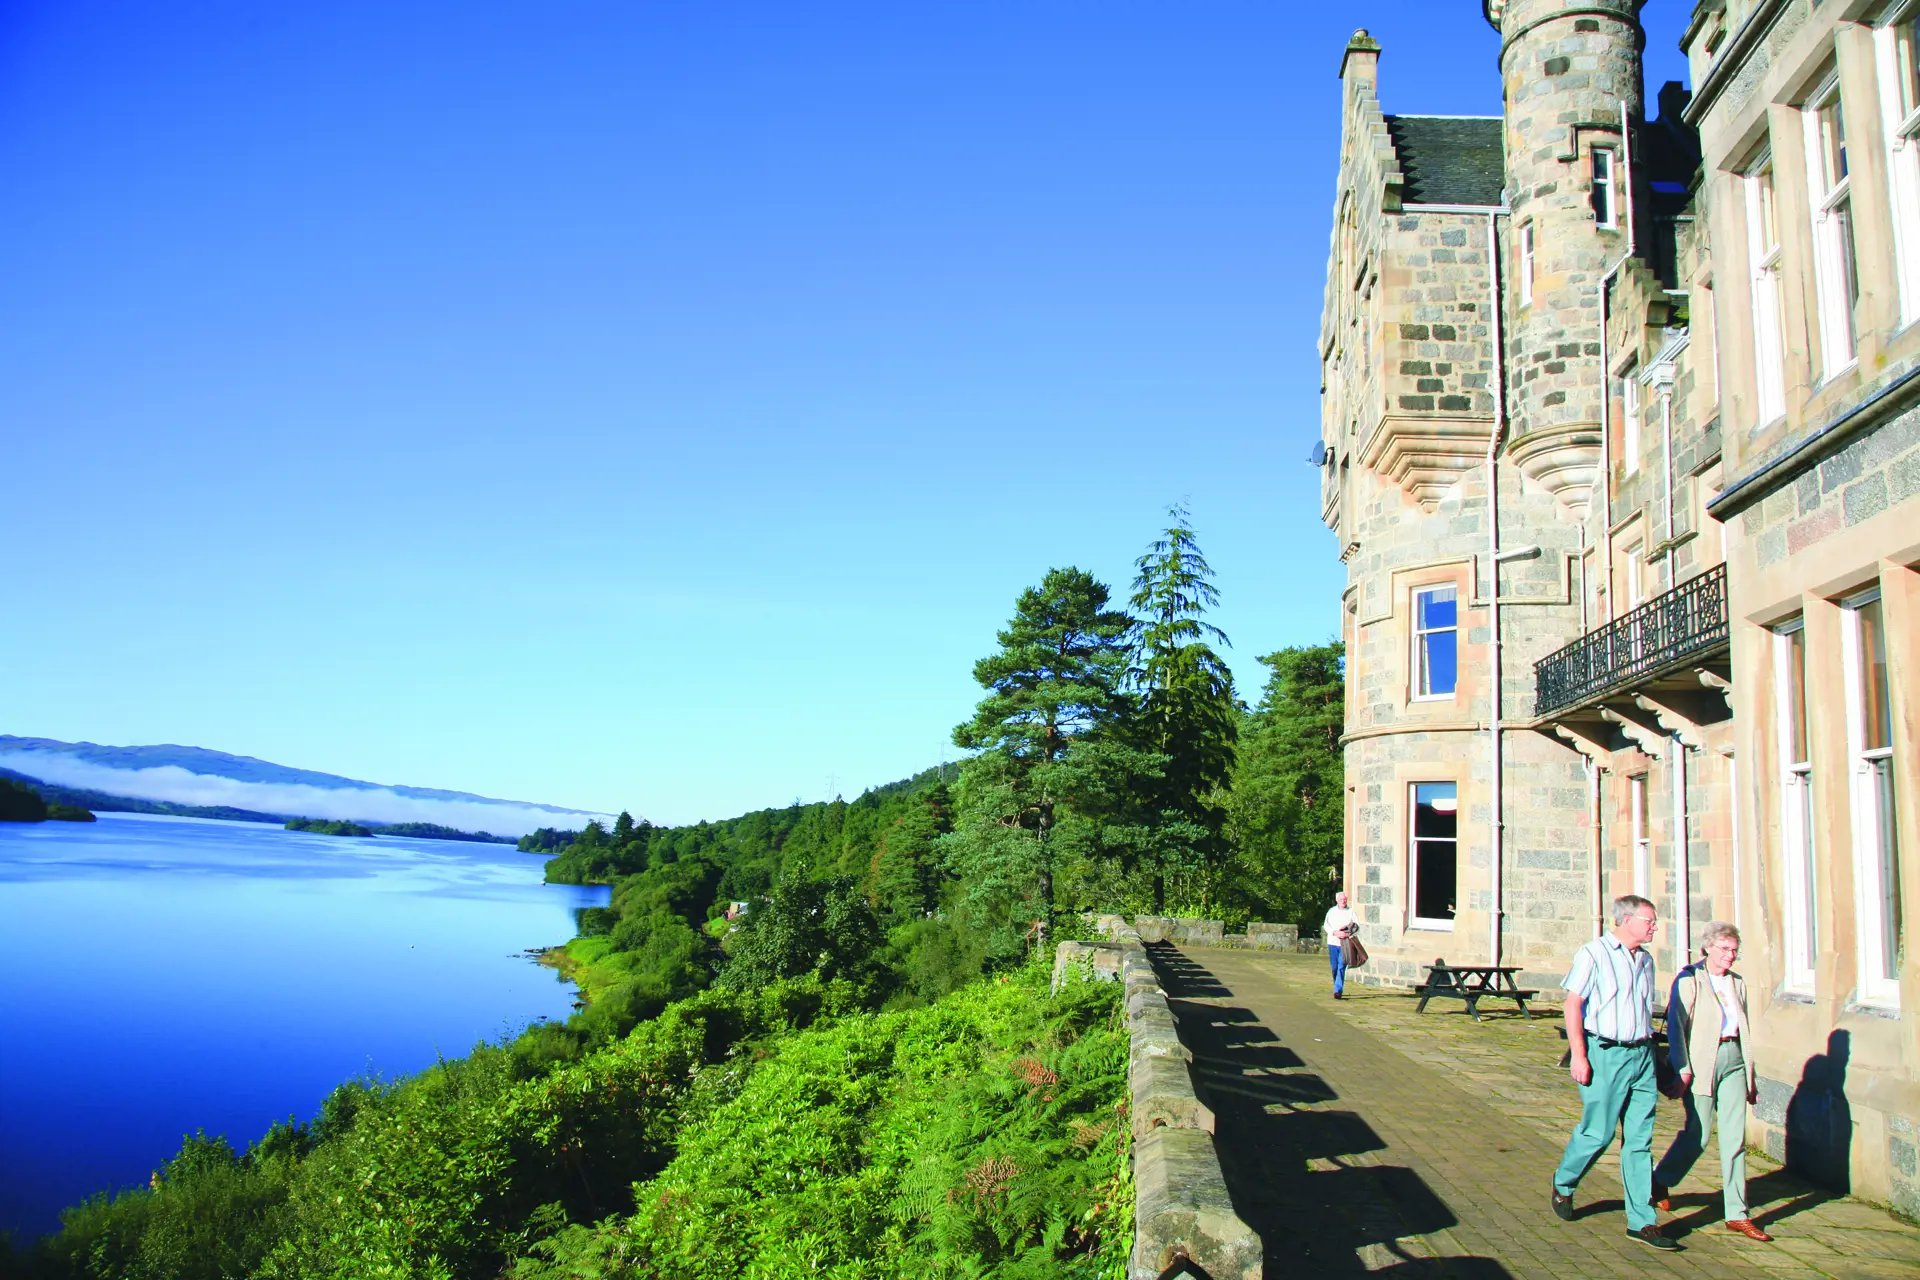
(1473, 983)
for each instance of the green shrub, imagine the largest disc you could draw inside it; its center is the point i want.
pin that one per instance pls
(984, 1136)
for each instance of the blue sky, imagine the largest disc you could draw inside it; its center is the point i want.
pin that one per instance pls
(650, 405)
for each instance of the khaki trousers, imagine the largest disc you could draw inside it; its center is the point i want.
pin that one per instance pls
(1729, 1099)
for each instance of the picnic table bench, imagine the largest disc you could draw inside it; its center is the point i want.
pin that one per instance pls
(1473, 983)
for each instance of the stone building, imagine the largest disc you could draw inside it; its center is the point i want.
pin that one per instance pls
(1621, 447)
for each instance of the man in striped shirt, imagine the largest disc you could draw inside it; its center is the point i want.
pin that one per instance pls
(1609, 1012)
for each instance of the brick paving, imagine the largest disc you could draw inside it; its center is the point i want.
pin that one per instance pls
(1360, 1136)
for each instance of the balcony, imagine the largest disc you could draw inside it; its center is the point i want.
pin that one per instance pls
(1679, 629)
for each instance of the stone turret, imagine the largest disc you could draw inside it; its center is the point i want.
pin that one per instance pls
(1566, 69)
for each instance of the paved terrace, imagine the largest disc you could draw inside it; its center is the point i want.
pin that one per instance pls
(1360, 1136)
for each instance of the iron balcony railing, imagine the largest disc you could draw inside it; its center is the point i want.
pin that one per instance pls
(1661, 634)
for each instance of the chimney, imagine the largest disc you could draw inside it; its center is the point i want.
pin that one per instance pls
(1362, 58)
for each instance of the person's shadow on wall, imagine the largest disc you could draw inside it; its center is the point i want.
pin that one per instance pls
(1819, 1121)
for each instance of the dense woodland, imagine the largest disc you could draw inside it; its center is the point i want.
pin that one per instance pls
(818, 1040)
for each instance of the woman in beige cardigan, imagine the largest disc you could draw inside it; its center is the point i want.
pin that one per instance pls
(1707, 1044)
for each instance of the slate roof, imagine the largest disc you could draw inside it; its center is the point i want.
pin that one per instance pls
(1449, 159)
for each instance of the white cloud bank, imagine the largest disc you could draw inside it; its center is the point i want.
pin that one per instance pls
(361, 804)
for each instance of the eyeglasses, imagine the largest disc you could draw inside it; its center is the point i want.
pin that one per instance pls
(1650, 920)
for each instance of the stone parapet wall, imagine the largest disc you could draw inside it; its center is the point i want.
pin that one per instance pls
(1181, 1207)
(1259, 935)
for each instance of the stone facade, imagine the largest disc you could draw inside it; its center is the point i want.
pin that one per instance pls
(1577, 553)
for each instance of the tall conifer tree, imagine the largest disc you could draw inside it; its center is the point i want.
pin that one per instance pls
(1187, 709)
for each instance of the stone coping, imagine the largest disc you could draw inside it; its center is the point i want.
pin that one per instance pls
(1183, 1215)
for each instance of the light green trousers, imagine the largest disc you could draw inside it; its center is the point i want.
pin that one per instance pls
(1620, 1097)
(1730, 1130)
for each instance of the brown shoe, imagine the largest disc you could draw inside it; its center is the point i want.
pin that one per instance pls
(1746, 1227)
(1662, 1198)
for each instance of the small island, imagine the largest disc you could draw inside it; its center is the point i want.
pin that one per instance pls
(328, 827)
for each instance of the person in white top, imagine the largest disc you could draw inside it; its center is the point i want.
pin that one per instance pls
(1707, 1045)
(1339, 925)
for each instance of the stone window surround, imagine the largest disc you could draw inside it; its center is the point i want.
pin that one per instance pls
(1603, 174)
(1411, 923)
(1734, 138)
(1831, 206)
(1764, 288)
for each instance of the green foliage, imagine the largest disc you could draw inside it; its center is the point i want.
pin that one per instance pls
(811, 926)
(545, 840)
(19, 802)
(1051, 785)
(1187, 710)
(207, 1214)
(328, 827)
(982, 1136)
(1286, 806)
(68, 813)
(434, 831)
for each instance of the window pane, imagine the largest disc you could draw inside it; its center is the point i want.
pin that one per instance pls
(1769, 227)
(1438, 663)
(1436, 810)
(1435, 825)
(1602, 186)
(1435, 614)
(1797, 696)
(1906, 67)
(1892, 933)
(1801, 787)
(1437, 607)
(1833, 144)
(1876, 705)
(1849, 268)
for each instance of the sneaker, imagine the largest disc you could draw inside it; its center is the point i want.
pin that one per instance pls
(1652, 1236)
(1662, 1198)
(1562, 1206)
(1748, 1228)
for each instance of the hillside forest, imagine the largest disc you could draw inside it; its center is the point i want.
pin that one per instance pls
(819, 1040)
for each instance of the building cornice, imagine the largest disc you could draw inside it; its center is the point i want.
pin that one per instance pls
(1835, 435)
(1732, 55)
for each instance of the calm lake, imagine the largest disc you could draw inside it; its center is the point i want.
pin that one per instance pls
(161, 975)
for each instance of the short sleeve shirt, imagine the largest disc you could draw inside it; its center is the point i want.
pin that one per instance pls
(1617, 988)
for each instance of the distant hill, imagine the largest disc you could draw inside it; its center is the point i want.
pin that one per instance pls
(197, 782)
(101, 802)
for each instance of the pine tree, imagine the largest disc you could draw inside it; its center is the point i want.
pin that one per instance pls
(1049, 761)
(1188, 712)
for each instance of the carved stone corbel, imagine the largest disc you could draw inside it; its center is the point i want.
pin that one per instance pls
(1673, 714)
(1718, 683)
(1642, 735)
(1581, 738)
